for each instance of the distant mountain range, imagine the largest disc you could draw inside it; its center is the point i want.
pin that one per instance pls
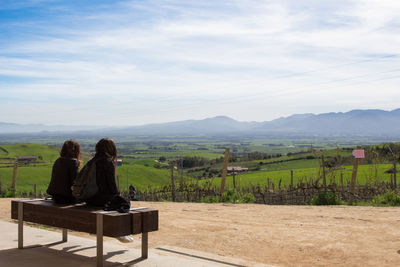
(372, 122)
(6, 128)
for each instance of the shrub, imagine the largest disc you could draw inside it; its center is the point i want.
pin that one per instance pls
(208, 200)
(390, 198)
(326, 198)
(232, 196)
(8, 192)
(248, 198)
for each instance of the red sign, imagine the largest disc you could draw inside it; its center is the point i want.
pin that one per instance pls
(359, 153)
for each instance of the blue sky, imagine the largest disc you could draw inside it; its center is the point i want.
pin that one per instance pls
(138, 62)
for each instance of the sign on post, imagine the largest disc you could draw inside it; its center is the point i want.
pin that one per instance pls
(359, 153)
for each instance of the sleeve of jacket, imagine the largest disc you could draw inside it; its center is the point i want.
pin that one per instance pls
(110, 177)
(73, 171)
(50, 188)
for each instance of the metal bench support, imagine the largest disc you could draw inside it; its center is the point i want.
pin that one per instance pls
(99, 232)
(64, 235)
(145, 242)
(18, 213)
(20, 225)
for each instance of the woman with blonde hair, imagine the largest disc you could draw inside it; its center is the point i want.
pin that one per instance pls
(64, 172)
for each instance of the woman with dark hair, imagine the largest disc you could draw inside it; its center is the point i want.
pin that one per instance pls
(65, 169)
(106, 159)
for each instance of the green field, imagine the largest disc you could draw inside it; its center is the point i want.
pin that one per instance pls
(44, 153)
(138, 175)
(366, 173)
(141, 168)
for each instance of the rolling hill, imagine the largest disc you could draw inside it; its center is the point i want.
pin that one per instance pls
(359, 123)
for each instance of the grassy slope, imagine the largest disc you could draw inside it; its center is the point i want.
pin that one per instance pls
(365, 173)
(47, 153)
(140, 172)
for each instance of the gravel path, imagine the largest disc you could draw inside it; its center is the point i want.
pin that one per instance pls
(278, 235)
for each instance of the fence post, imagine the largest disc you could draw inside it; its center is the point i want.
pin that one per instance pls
(394, 175)
(291, 187)
(127, 180)
(291, 178)
(223, 179)
(233, 178)
(391, 180)
(341, 179)
(14, 181)
(172, 181)
(34, 190)
(353, 178)
(323, 171)
(181, 173)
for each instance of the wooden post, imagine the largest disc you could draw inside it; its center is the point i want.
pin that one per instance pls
(224, 170)
(291, 178)
(341, 179)
(172, 181)
(353, 179)
(394, 175)
(127, 181)
(291, 187)
(14, 181)
(223, 179)
(34, 190)
(181, 172)
(391, 180)
(233, 178)
(323, 171)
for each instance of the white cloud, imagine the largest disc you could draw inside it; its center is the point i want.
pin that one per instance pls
(252, 60)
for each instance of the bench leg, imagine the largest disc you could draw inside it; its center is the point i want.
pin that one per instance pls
(20, 225)
(145, 242)
(99, 232)
(64, 235)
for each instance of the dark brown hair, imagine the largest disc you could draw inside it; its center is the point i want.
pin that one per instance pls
(106, 147)
(71, 149)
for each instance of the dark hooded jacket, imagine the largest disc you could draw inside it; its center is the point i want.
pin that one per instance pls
(105, 179)
(63, 174)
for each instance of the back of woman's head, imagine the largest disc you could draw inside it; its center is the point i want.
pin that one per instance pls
(71, 149)
(106, 147)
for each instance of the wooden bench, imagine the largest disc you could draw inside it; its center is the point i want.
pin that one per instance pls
(79, 217)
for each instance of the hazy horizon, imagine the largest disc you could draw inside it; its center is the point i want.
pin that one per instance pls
(125, 63)
(151, 123)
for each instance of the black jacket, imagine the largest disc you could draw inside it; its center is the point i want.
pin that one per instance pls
(63, 174)
(105, 179)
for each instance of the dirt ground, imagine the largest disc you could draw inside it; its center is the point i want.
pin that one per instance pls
(278, 235)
